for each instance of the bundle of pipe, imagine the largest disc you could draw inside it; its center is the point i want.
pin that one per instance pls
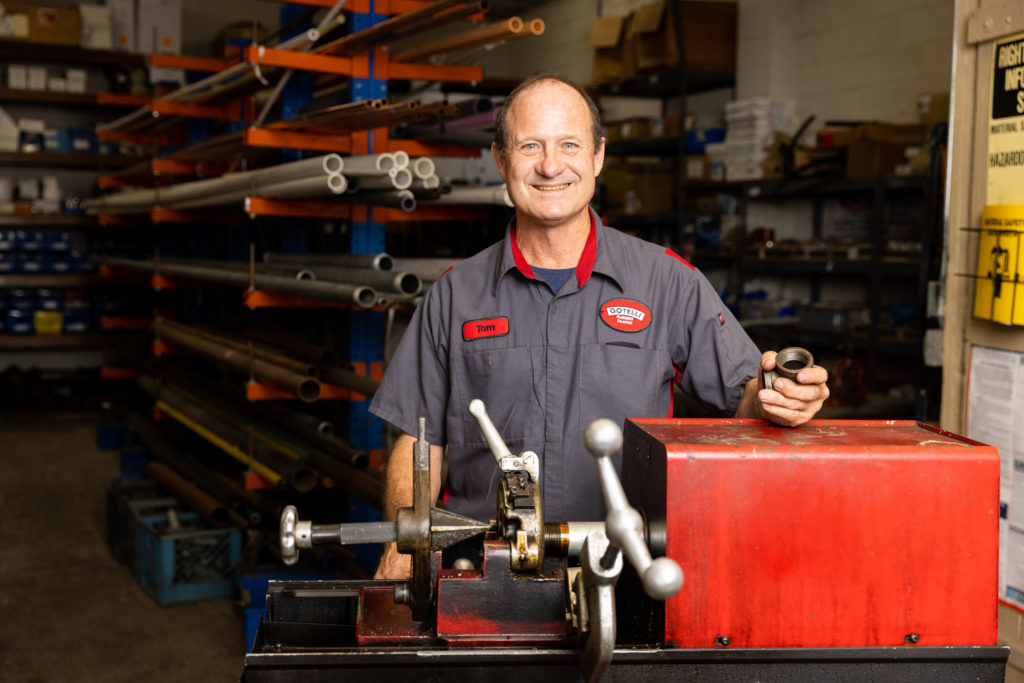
(295, 365)
(204, 420)
(393, 199)
(428, 269)
(379, 261)
(161, 443)
(402, 283)
(514, 27)
(359, 295)
(305, 176)
(475, 130)
(329, 268)
(482, 194)
(429, 16)
(237, 357)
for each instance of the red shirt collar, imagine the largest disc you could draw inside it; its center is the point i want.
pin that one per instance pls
(586, 263)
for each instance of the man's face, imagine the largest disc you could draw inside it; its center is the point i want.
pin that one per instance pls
(549, 163)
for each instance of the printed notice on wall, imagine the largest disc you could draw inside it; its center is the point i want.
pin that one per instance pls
(997, 381)
(1006, 125)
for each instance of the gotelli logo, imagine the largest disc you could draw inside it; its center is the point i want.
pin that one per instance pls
(625, 315)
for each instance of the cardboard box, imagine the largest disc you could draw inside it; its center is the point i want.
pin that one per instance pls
(37, 78)
(158, 29)
(639, 188)
(607, 37)
(39, 24)
(96, 27)
(709, 34)
(633, 129)
(74, 80)
(933, 108)
(17, 77)
(698, 167)
(879, 148)
(122, 24)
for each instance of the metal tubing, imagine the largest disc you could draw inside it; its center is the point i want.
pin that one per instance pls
(194, 497)
(427, 268)
(484, 194)
(379, 34)
(292, 364)
(339, 292)
(379, 261)
(321, 356)
(494, 33)
(394, 281)
(302, 386)
(349, 379)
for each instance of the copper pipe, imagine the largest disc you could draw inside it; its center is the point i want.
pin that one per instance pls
(292, 364)
(305, 388)
(481, 36)
(379, 34)
(194, 497)
(537, 27)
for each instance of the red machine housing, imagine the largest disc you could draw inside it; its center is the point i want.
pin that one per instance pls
(839, 533)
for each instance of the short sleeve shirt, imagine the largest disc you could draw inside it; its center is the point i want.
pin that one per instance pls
(609, 344)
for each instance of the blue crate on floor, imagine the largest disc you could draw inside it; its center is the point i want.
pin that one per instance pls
(122, 527)
(133, 462)
(110, 435)
(193, 562)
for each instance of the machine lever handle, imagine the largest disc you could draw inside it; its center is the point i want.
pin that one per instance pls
(662, 578)
(494, 440)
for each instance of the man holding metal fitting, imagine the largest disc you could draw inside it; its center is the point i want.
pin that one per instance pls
(563, 322)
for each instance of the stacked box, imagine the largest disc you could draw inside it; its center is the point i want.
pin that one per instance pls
(752, 129)
(188, 563)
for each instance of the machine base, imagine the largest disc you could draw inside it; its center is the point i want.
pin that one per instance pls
(931, 664)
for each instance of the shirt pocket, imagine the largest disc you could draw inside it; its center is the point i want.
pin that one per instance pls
(620, 381)
(505, 380)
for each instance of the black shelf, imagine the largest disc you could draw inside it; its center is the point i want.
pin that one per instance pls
(799, 266)
(48, 280)
(42, 220)
(770, 189)
(665, 83)
(87, 340)
(88, 100)
(27, 51)
(65, 160)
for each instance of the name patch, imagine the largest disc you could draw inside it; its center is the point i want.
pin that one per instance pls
(625, 315)
(489, 327)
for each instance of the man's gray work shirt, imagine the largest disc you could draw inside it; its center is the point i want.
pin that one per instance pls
(609, 344)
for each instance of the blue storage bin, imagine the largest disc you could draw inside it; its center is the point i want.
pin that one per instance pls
(31, 262)
(8, 240)
(83, 139)
(187, 564)
(30, 240)
(49, 300)
(21, 299)
(57, 140)
(57, 240)
(8, 262)
(20, 322)
(76, 322)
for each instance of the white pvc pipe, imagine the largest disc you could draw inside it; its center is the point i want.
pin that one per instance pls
(287, 189)
(396, 179)
(423, 167)
(401, 159)
(367, 164)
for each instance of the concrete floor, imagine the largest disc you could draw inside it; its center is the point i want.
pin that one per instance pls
(68, 611)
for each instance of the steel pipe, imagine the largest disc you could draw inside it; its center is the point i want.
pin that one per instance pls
(339, 292)
(395, 199)
(297, 366)
(299, 188)
(379, 261)
(379, 34)
(302, 386)
(344, 377)
(193, 496)
(484, 194)
(321, 356)
(428, 269)
(230, 439)
(391, 280)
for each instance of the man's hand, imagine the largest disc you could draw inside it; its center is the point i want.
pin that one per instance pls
(394, 566)
(786, 403)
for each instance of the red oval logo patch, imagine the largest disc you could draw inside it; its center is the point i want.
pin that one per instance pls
(625, 315)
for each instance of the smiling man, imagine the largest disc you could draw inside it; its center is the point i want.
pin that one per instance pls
(564, 321)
